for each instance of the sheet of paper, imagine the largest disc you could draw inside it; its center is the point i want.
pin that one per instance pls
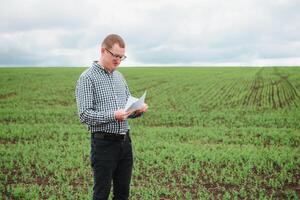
(134, 104)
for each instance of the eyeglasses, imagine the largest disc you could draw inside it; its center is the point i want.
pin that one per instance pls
(116, 56)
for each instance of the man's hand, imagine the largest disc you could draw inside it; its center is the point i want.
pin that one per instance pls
(142, 110)
(121, 115)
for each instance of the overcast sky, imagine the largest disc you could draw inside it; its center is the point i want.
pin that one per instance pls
(156, 32)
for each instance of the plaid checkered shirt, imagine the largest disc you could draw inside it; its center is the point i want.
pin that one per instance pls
(98, 95)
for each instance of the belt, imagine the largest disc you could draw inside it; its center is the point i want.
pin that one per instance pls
(111, 136)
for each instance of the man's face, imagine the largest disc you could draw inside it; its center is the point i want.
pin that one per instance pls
(113, 56)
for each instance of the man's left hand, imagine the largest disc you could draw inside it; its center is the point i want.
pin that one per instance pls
(142, 110)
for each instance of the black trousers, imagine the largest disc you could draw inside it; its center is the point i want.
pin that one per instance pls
(112, 162)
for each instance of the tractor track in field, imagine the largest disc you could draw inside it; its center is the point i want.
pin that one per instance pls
(280, 93)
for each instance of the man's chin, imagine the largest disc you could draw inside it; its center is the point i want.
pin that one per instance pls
(113, 67)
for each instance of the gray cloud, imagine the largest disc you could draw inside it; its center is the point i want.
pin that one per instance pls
(212, 32)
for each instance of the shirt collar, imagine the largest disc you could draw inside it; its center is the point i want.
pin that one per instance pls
(100, 68)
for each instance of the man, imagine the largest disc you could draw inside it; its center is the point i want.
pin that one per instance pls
(101, 95)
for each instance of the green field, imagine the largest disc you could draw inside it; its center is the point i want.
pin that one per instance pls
(210, 133)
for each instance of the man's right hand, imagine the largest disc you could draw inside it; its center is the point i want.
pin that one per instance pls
(121, 115)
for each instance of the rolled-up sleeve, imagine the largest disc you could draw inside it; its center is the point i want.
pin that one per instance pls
(85, 104)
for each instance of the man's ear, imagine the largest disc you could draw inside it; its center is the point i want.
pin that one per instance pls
(102, 50)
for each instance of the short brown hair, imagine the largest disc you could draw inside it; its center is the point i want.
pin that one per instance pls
(112, 39)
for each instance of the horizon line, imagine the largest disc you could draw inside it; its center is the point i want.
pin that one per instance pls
(141, 66)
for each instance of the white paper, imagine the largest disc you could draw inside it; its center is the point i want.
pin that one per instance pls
(134, 104)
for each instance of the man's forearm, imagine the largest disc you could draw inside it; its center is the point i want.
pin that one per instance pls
(91, 117)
